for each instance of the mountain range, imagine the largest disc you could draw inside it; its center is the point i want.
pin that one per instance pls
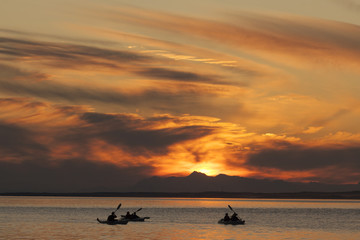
(200, 182)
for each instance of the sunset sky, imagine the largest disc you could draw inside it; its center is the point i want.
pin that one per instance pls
(107, 89)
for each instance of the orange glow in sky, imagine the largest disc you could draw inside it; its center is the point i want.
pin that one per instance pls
(164, 89)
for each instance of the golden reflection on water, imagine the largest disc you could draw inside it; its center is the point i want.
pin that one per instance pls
(134, 232)
(97, 202)
(178, 218)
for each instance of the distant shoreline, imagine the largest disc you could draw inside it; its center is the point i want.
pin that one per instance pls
(295, 195)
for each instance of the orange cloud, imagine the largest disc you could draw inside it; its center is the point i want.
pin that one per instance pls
(167, 144)
(278, 38)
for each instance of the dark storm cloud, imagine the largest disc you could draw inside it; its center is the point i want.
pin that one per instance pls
(63, 157)
(294, 158)
(74, 175)
(23, 34)
(24, 83)
(69, 55)
(183, 76)
(18, 142)
(130, 133)
(31, 87)
(72, 56)
(137, 135)
(125, 131)
(15, 82)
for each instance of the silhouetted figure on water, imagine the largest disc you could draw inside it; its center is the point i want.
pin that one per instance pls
(226, 218)
(112, 217)
(234, 217)
(131, 216)
(134, 216)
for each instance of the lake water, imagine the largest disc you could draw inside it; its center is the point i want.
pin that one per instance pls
(178, 218)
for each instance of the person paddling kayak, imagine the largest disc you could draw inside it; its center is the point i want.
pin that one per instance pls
(112, 217)
(131, 215)
(234, 217)
(226, 218)
(128, 215)
(233, 220)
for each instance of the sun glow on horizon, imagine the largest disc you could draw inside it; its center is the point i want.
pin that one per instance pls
(210, 169)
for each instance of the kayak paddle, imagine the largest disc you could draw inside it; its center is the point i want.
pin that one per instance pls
(137, 210)
(118, 207)
(231, 209)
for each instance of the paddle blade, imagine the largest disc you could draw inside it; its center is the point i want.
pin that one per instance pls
(118, 207)
(138, 209)
(231, 209)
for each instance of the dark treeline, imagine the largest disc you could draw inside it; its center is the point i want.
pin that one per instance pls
(295, 195)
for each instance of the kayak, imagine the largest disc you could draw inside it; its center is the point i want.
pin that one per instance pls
(138, 219)
(236, 222)
(121, 221)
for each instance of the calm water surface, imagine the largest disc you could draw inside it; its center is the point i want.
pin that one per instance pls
(177, 218)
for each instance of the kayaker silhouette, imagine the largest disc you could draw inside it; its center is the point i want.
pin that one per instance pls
(111, 217)
(134, 215)
(234, 217)
(226, 218)
(128, 215)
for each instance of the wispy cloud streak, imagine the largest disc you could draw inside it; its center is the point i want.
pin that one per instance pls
(289, 36)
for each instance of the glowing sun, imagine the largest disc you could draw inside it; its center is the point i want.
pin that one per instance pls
(209, 169)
